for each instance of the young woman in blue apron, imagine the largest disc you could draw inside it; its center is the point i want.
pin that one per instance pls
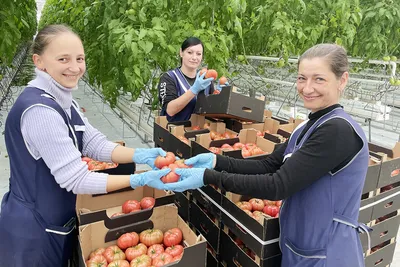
(178, 88)
(46, 135)
(319, 172)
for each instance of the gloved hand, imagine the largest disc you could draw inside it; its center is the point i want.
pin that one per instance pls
(205, 160)
(149, 178)
(147, 155)
(191, 178)
(219, 86)
(200, 83)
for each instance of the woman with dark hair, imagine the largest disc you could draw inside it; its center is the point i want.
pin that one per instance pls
(178, 88)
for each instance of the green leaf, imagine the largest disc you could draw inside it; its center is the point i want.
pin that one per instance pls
(142, 34)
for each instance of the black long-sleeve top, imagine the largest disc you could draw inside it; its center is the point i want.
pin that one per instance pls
(330, 147)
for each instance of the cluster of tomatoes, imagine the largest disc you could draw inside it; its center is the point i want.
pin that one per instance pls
(220, 136)
(256, 208)
(95, 165)
(248, 150)
(151, 247)
(211, 73)
(132, 205)
(169, 161)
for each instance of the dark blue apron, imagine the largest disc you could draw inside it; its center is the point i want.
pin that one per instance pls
(182, 86)
(319, 225)
(38, 218)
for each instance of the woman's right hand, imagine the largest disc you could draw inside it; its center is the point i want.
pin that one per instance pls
(200, 83)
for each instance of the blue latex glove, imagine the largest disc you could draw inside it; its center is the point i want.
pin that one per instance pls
(200, 83)
(149, 178)
(191, 178)
(147, 156)
(205, 160)
(219, 86)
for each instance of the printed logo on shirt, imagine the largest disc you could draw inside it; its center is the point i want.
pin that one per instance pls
(163, 91)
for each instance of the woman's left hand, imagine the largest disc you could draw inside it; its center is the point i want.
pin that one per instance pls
(191, 178)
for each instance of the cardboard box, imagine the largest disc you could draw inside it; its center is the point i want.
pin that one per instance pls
(289, 127)
(93, 208)
(208, 228)
(381, 232)
(202, 198)
(390, 167)
(234, 256)
(374, 168)
(382, 257)
(365, 215)
(267, 229)
(229, 104)
(96, 235)
(212, 259)
(388, 206)
(182, 202)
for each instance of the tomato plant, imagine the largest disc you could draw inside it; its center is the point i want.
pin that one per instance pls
(151, 236)
(173, 237)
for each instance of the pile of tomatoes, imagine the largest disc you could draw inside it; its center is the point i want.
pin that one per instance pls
(169, 161)
(248, 150)
(151, 247)
(132, 205)
(256, 208)
(95, 165)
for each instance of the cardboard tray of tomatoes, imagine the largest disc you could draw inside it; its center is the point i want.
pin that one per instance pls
(95, 236)
(230, 104)
(102, 207)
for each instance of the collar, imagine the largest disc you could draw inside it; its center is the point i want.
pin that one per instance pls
(322, 112)
(46, 83)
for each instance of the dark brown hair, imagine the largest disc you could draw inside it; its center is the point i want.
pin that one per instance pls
(335, 54)
(47, 34)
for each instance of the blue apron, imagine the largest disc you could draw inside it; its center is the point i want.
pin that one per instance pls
(38, 218)
(181, 87)
(319, 225)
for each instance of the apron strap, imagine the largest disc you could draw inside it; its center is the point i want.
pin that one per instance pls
(360, 227)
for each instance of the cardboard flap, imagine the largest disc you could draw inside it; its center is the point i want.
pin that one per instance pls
(162, 121)
(396, 150)
(267, 113)
(271, 125)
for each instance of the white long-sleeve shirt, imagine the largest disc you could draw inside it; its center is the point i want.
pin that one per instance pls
(47, 136)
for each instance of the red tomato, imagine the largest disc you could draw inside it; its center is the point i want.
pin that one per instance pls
(222, 80)
(136, 251)
(202, 71)
(238, 146)
(215, 150)
(86, 159)
(244, 205)
(141, 261)
(258, 215)
(154, 250)
(173, 237)
(213, 134)
(226, 147)
(162, 259)
(271, 210)
(249, 146)
(206, 126)
(130, 205)
(257, 204)
(164, 161)
(181, 164)
(113, 253)
(97, 261)
(211, 74)
(147, 202)
(151, 236)
(278, 203)
(178, 257)
(256, 151)
(248, 213)
(117, 214)
(196, 128)
(216, 92)
(128, 240)
(269, 202)
(171, 177)
(119, 263)
(245, 153)
(98, 251)
(174, 250)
